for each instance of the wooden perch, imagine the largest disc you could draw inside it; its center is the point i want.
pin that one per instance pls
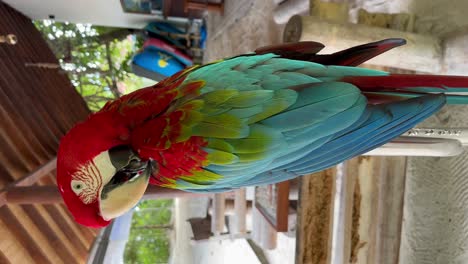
(29, 179)
(51, 195)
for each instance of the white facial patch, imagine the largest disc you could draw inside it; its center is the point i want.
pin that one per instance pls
(88, 181)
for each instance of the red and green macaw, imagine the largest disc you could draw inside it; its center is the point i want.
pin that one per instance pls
(260, 118)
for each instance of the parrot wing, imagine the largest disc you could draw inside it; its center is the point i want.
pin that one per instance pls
(323, 145)
(265, 118)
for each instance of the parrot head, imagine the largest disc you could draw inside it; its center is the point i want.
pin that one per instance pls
(99, 175)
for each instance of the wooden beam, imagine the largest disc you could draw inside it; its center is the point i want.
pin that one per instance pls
(352, 213)
(422, 53)
(29, 179)
(282, 213)
(28, 234)
(212, 7)
(7, 244)
(54, 236)
(4, 259)
(50, 194)
(63, 225)
(217, 219)
(378, 209)
(34, 176)
(33, 195)
(390, 214)
(240, 210)
(314, 217)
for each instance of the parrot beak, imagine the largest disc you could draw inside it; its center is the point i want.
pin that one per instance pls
(127, 186)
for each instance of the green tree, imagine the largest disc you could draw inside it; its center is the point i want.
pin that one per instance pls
(95, 58)
(149, 234)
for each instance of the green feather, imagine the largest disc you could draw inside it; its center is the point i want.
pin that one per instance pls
(220, 144)
(219, 96)
(351, 71)
(281, 100)
(211, 110)
(246, 112)
(281, 64)
(260, 139)
(185, 184)
(279, 84)
(221, 126)
(218, 157)
(250, 98)
(249, 62)
(200, 177)
(192, 118)
(185, 133)
(250, 157)
(297, 77)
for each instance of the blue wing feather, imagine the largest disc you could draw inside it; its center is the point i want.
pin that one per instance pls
(383, 122)
(324, 121)
(349, 146)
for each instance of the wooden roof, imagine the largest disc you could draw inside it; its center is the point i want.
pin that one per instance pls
(37, 106)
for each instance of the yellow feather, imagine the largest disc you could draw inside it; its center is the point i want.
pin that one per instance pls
(219, 96)
(218, 157)
(201, 176)
(220, 144)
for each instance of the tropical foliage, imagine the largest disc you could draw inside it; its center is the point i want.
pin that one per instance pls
(149, 235)
(95, 58)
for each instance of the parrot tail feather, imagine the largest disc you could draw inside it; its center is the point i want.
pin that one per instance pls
(307, 51)
(357, 55)
(395, 87)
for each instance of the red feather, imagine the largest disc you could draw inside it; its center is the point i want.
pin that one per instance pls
(399, 82)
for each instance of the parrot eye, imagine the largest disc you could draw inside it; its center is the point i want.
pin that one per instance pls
(77, 186)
